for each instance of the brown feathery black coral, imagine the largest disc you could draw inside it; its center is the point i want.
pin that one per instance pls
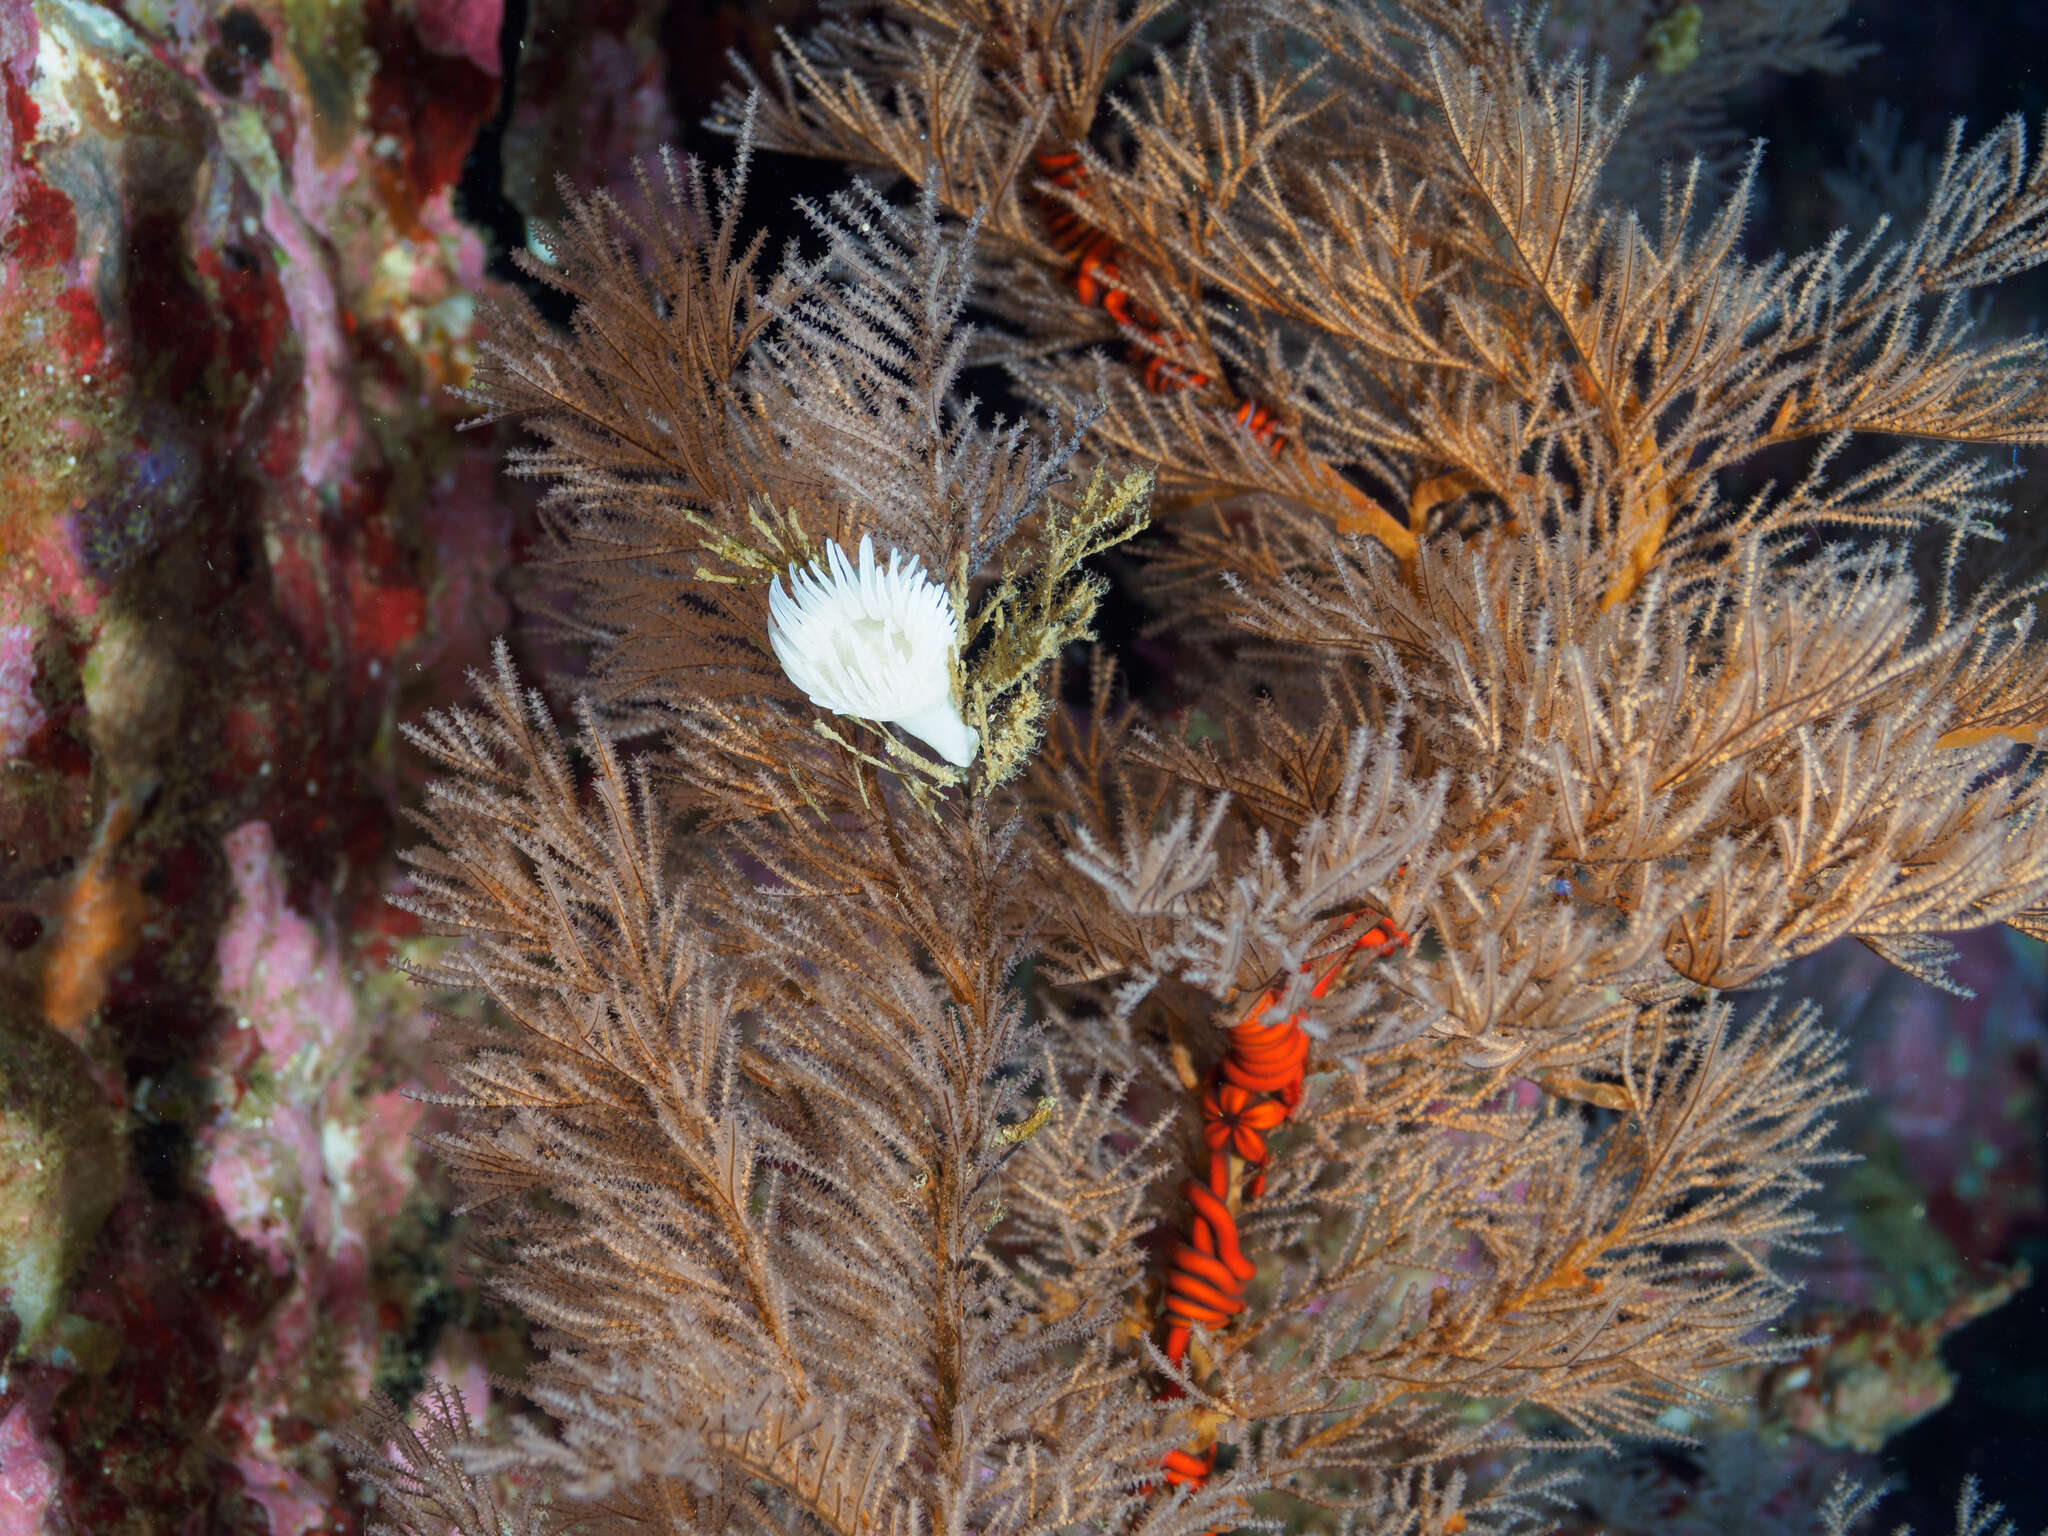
(837, 1108)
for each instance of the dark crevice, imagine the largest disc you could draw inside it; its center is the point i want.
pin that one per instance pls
(480, 197)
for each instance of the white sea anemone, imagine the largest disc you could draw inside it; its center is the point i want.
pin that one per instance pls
(875, 644)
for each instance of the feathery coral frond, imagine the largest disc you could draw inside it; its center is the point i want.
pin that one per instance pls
(1322, 1087)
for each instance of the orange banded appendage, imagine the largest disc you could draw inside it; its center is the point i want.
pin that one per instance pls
(1259, 421)
(1189, 1468)
(1099, 283)
(1251, 1091)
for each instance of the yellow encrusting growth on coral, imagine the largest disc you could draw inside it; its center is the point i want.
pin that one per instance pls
(1034, 613)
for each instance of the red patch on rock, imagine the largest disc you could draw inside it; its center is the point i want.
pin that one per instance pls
(44, 231)
(462, 29)
(249, 296)
(387, 618)
(298, 581)
(83, 337)
(278, 450)
(55, 747)
(432, 105)
(22, 112)
(249, 740)
(386, 604)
